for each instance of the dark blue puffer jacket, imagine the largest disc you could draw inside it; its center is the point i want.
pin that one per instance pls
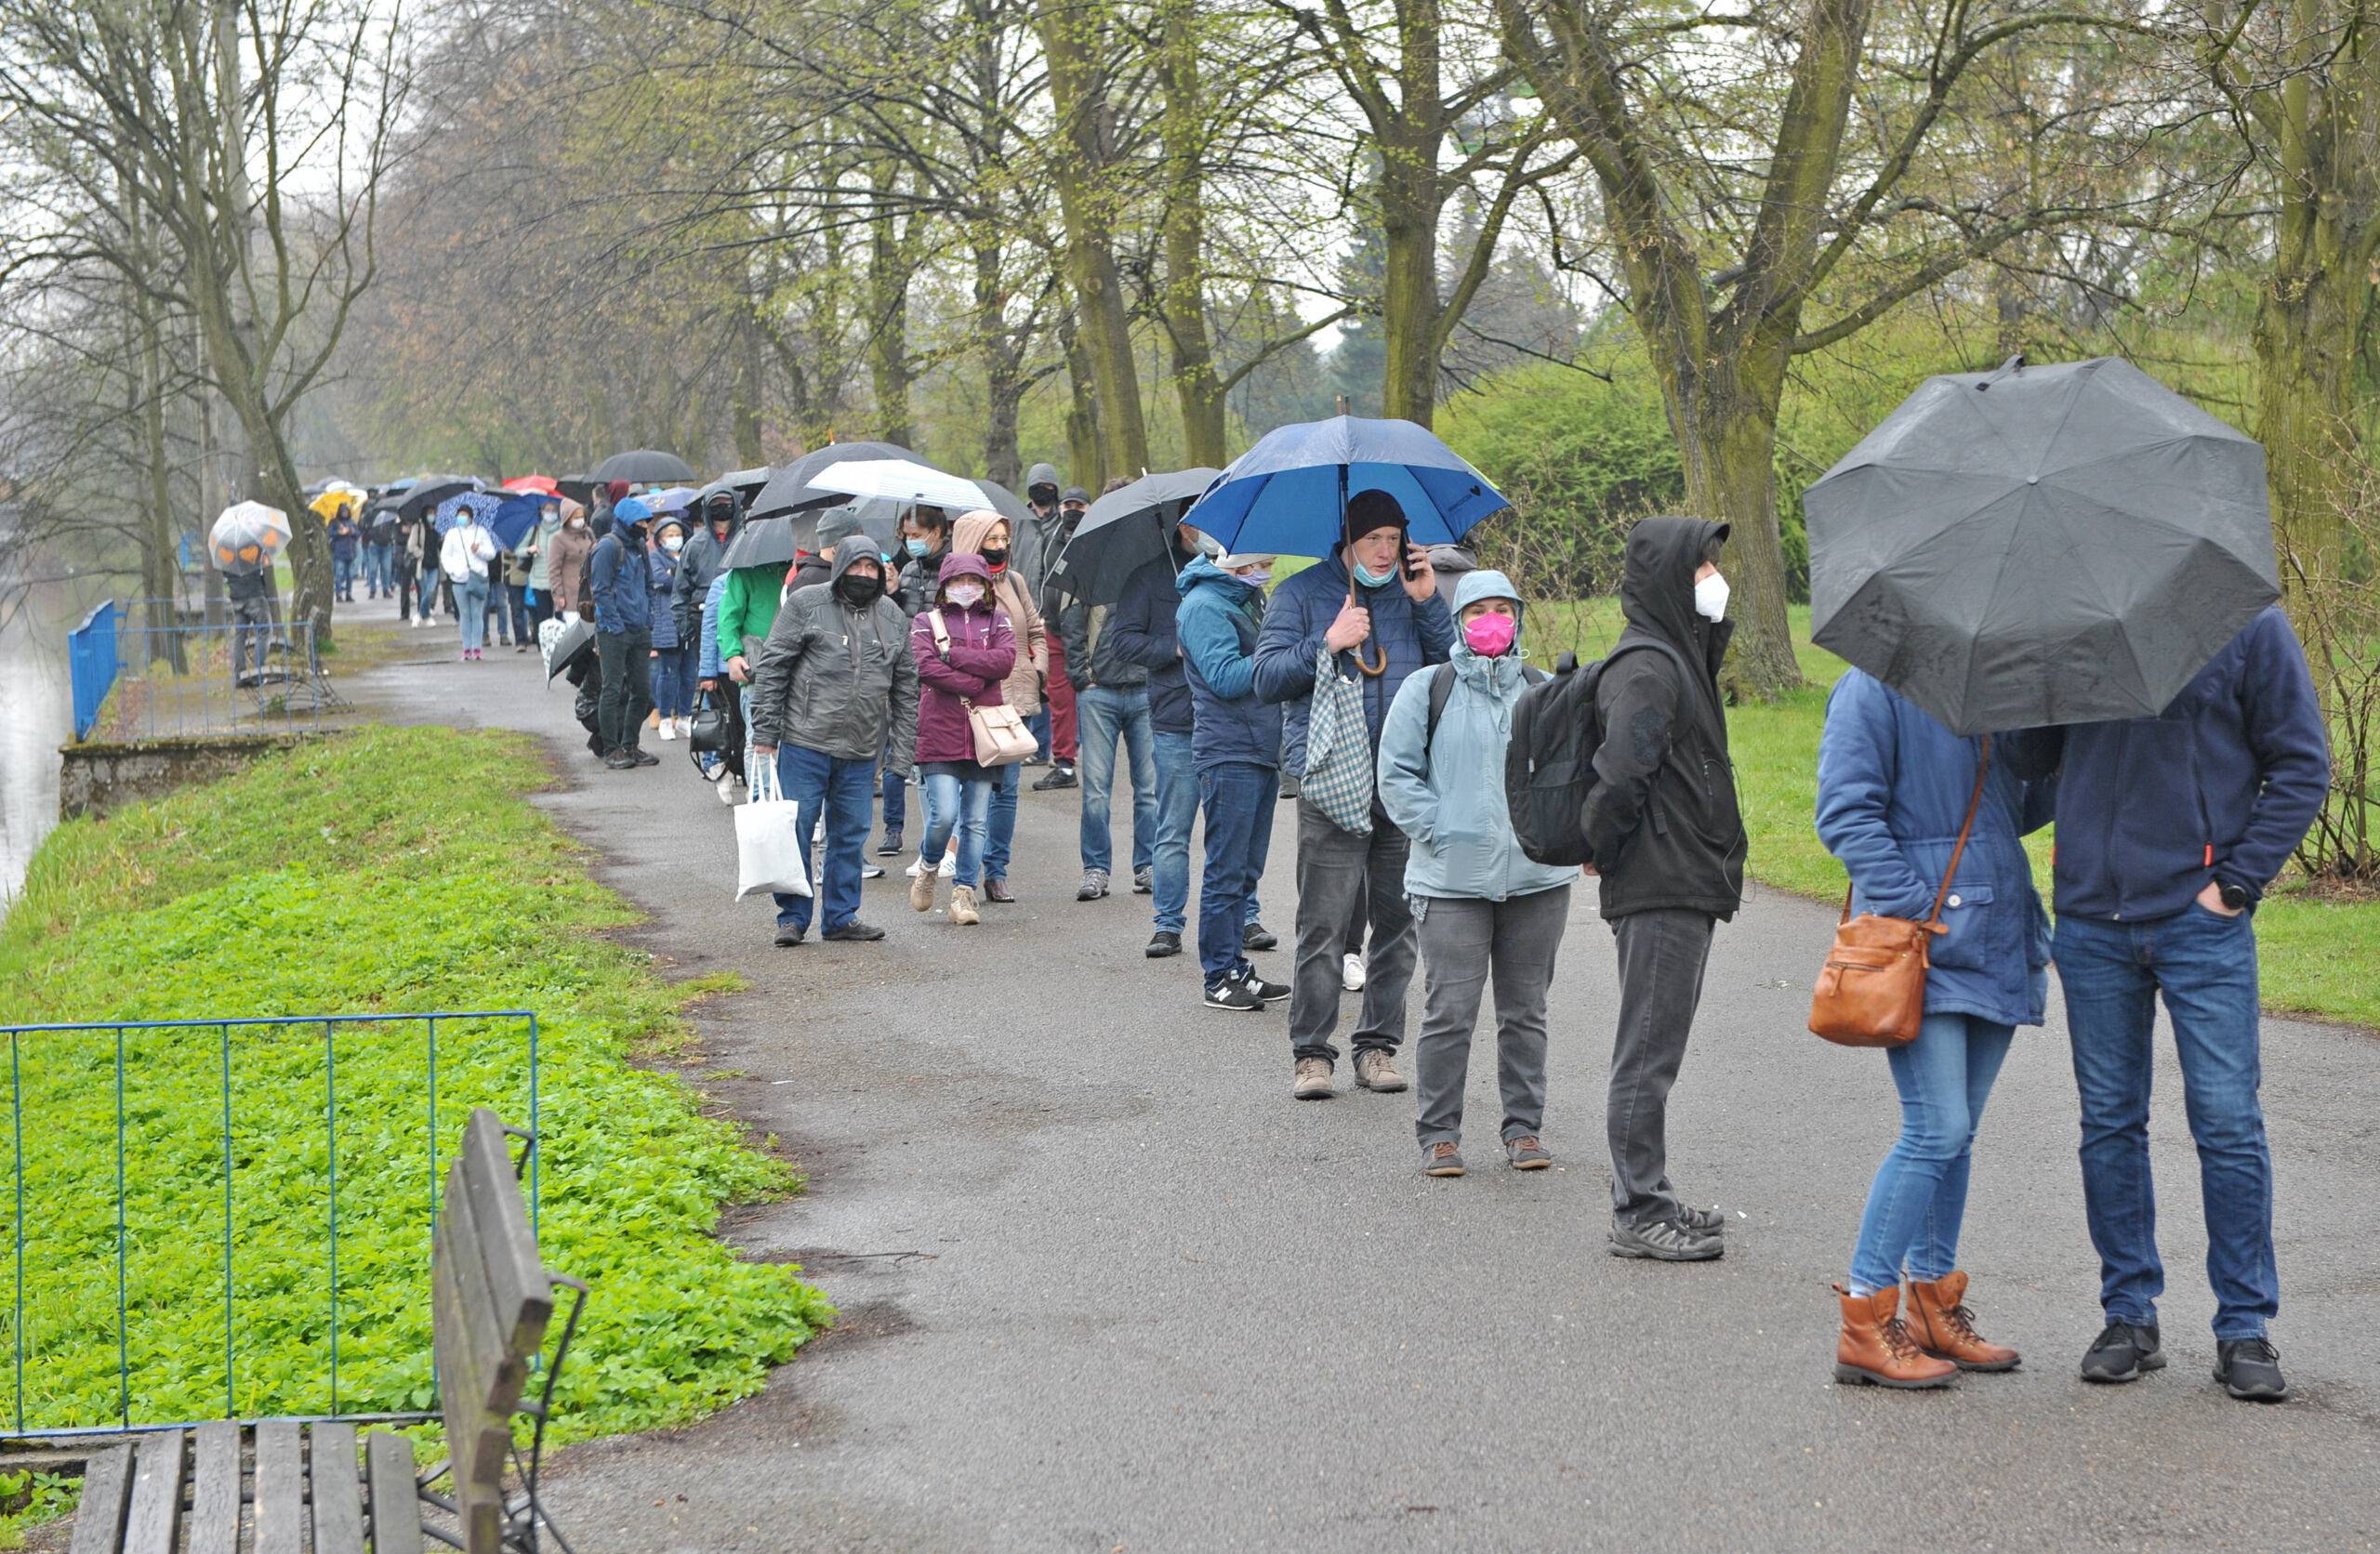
(1300, 613)
(1218, 622)
(1141, 629)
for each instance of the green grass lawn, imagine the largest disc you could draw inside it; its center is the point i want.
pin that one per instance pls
(385, 870)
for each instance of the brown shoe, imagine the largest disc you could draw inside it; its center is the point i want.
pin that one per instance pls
(1313, 1082)
(997, 890)
(1528, 1153)
(922, 890)
(1876, 1351)
(962, 906)
(1444, 1160)
(1941, 1325)
(1376, 1070)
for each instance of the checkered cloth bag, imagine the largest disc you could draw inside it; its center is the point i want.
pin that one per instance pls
(1338, 750)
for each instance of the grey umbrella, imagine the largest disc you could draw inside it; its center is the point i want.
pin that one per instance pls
(1123, 532)
(2041, 545)
(646, 467)
(789, 490)
(761, 542)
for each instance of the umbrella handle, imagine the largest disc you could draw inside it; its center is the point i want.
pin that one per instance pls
(1371, 670)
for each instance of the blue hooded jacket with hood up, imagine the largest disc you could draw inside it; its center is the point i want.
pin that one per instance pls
(1218, 622)
(1446, 793)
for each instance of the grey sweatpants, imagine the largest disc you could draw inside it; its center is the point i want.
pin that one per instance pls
(1463, 939)
(1336, 869)
(1661, 957)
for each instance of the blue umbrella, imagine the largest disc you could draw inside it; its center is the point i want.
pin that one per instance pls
(476, 504)
(1288, 496)
(674, 500)
(515, 517)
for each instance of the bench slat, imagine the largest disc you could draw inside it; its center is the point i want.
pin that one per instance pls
(215, 1502)
(477, 1437)
(482, 1328)
(396, 1505)
(338, 1491)
(280, 1489)
(156, 1519)
(524, 1299)
(107, 1495)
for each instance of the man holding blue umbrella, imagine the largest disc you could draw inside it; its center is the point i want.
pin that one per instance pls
(1374, 604)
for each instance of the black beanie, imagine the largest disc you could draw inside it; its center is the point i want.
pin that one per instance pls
(1370, 509)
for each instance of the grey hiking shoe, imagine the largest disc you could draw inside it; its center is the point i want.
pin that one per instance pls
(1527, 1153)
(1442, 1159)
(1665, 1241)
(2124, 1351)
(1702, 1221)
(1144, 880)
(1094, 885)
(1376, 1070)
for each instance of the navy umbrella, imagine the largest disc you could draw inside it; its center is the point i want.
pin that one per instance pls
(1287, 495)
(1123, 532)
(516, 518)
(2041, 545)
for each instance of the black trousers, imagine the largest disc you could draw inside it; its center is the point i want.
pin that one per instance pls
(628, 687)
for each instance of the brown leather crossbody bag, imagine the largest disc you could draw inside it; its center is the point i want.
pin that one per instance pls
(1872, 992)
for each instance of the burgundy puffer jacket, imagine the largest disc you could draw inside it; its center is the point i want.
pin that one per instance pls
(982, 651)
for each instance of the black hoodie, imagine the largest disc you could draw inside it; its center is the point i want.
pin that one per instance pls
(1663, 820)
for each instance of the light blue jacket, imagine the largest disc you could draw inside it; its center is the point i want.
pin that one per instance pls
(1893, 787)
(1447, 794)
(706, 665)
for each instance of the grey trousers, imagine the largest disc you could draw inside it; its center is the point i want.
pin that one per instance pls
(1464, 939)
(1661, 958)
(1335, 868)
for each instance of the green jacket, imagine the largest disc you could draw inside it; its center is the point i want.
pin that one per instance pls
(747, 609)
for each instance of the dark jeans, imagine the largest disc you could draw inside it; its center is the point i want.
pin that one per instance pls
(1333, 866)
(2205, 967)
(407, 578)
(817, 783)
(540, 611)
(1238, 796)
(1000, 827)
(626, 688)
(895, 793)
(1464, 939)
(1661, 957)
(343, 569)
(516, 612)
(1177, 812)
(379, 571)
(673, 687)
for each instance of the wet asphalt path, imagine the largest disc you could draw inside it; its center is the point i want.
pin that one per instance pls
(1104, 1286)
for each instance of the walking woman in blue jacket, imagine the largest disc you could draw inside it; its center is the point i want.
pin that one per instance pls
(1893, 787)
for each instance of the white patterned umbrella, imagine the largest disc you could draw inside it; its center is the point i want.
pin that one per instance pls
(248, 537)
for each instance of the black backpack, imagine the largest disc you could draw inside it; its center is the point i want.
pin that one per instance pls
(1550, 763)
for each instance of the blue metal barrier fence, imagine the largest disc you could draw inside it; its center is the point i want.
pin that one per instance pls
(157, 1170)
(91, 664)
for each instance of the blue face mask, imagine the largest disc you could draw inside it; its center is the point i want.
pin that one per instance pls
(1365, 576)
(916, 547)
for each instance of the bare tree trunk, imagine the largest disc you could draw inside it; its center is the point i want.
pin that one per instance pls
(1086, 449)
(1410, 208)
(887, 291)
(748, 409)
(1182, 301)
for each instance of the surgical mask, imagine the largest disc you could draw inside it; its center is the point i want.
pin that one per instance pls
(966, 595)
(916, 547)
(578, 523)
(1710, 599)
(1255, 577)
(1371, 579)
(994, 557)
(858, 588)
(1490, 636)
(673, 545)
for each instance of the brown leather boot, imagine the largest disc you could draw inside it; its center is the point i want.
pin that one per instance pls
(1942, 1326)
(1875, 1350)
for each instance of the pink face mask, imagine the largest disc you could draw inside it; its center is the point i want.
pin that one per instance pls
(1490, 636)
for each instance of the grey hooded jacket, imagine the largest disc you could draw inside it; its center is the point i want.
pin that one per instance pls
(837, 679)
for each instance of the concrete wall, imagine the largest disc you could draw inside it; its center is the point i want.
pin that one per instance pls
(99, 779)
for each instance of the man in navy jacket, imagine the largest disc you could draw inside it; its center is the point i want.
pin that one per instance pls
(2169, 829)
(1393, 619)
(1141, 629)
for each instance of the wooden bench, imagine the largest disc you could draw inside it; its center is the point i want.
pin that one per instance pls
(189, 1489)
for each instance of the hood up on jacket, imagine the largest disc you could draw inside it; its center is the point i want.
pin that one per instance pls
(1487, 582)
(1041, 475)
(849, 551)
(1657, 590)
(1202, 569)
(967, 534)
(962, 563)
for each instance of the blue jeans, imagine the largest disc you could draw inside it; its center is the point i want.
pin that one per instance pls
(673, 690)
(343, 573)
(471, 598)
(1920, 1193)
(1177, 810)
(1002, 825)
(428, 586)
(960, 804)
(818, 781)
(1103, 715)
(896, 793)
(1240, 797)
(1040, 724)
(2206, 966)
(380, 569)
(516, 610)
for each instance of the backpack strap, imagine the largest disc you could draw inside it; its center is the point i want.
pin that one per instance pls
(1441, 690)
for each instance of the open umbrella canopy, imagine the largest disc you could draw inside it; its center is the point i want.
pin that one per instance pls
(745, 484)
(646, 467)
(543, 484)
(674, 500)
(246, 537)
(763, 542)
(900, 480)
(2041, 545)
(1124, 531)
(516, 517)
(574, 641)
(328, 502)
(1287, 495)
(790, 489)
(431, 490)
(466, 505)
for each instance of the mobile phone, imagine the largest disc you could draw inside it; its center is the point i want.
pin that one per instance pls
(1405, 564)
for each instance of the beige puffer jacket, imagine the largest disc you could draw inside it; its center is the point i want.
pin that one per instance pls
(1008, 591)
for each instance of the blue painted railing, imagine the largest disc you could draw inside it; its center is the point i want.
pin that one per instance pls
(91, 661)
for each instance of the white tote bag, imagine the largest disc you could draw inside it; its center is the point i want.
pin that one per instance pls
(771, 851)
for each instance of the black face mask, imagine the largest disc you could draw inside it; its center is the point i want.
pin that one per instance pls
(994, 558)
(859, 591)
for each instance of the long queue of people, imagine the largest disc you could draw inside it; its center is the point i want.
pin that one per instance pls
(857, 674)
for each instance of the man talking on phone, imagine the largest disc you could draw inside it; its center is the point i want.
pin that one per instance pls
(1375, 607)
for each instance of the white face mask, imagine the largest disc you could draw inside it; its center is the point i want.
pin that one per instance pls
(1710, 599)
(1255, 577)
(966, 595)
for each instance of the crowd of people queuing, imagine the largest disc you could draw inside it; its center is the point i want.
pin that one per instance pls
(852, 674)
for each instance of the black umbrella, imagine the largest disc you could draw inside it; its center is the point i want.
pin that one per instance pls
(745, 484)
(646, 467)
(426, 495)
(761, 542)
(790, 489)
(574, 641)
(1123, 532)
(2041, 545)
(577, 488)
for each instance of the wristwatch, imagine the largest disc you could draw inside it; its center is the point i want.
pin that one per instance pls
(2234, 896)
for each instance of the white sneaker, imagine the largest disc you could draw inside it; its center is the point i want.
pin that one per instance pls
(668, 728)
(915, 865)
(1351, 973)
(725, 784)
(685, 728)
(817, 832)
(949, 865)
